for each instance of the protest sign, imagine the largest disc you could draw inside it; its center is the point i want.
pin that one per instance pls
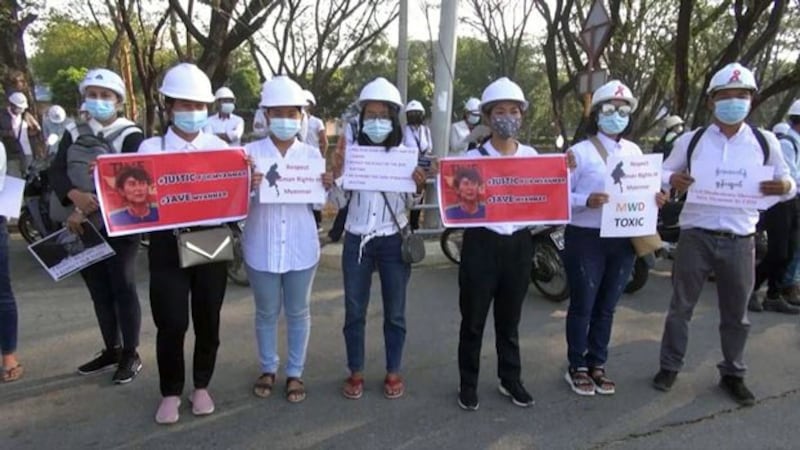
(730, 185)
(64, 253)
(291, 181)
(376, 169)
(476, 192)
(631, 184)
(157, 191)
(11, 197)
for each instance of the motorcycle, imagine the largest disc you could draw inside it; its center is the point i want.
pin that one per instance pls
(237, 272)
(34, 220)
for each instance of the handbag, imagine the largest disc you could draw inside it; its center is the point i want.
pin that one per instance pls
(206, 246)
(642, 245)
(412, 247)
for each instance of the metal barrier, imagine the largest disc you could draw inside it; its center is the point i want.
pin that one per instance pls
(430, 232)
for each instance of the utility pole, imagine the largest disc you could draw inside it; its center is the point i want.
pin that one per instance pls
(442, 104)
(402, 52)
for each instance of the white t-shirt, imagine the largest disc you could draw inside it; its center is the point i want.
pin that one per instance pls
(315, 125)
(232, 126)
(418, 137)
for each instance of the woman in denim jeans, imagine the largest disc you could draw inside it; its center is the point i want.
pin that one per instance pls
(12, 369)
(281, 247)
(372, 242)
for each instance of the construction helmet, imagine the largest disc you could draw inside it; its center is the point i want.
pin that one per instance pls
(380, 90)
(414, 105)
(56, 114)
(614, 90)
(794, 110)
(503, 89)
(282, 91)
(223, 93)
(472, 105)
(19, 100)
(187, 82)
(733, 76)
(781, 128)
(672, 121)
(310, 97)
(103, 78)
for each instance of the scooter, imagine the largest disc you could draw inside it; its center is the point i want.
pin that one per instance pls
(34, 220)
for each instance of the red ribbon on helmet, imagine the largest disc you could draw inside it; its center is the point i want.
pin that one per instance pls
(735, 76)
(620, 92)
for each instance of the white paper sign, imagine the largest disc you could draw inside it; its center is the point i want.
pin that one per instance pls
(64, 253)
(11, 197)
(291, 180)
(730, 185)
(630, 215)
(375, 169)
(627, 175)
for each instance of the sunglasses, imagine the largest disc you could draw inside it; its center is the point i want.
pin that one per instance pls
(608, 109)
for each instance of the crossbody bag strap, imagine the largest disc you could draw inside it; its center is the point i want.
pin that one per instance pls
(391, 211)
(599, 147)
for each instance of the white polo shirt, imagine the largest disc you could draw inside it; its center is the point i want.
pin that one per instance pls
(231, 126)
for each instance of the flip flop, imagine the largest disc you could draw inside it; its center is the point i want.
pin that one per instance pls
(393, 387)
(353, 387)
(13, 374)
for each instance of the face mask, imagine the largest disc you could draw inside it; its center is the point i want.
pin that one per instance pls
(190, 121)
(414, 119)
(227, 108)
(472, 119)
(377, 130)
(284, 129)
(101, 109)
(612, 124)
(506, 126)
(731, 111)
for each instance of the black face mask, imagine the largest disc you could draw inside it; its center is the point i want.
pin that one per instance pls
(414, 118)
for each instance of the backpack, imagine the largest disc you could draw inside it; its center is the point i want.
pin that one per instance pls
(762, 142)
(785, 138)
(82, 152)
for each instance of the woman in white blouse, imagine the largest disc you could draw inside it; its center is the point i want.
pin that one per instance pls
(372, 242)
(281, 248)
(597, 268)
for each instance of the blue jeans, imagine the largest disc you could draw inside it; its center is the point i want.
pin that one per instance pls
(8, 306)
(598, 270)
(292, 290)
(381, 253)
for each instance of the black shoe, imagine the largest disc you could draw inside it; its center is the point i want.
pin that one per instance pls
(129, 366)
(753, 304)
(468, 399)
(735, 387)
(664, 379)
(516, 391)
(778, 304)
(102, 361)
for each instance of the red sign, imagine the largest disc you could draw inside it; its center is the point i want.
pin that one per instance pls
(482, 191)
(158, 191)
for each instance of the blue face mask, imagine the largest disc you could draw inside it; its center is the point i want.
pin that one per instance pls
(377, 130)
(227, 108)
(732, 110)
(101, 110)
(284, 129)
(190, 121)
(612, 124)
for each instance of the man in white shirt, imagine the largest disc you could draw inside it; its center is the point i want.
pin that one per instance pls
(790, 144)
(18, 129)
(715, 238)
(417, 135)
(224, 124)
(466, 134)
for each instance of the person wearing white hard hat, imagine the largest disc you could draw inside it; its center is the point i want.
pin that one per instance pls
(225, 124)
(315, 135)
(790, 144)
(53, 126)
(673, 127)
(467, 133)
(495, 262)
(598, 268)
(417, 135)
(281, 248)
(12, 370)
(19, 130)
(372, 242)
(176, 293)
(719, 239)
(111, 282)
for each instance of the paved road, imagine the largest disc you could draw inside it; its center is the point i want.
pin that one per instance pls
(53, 408)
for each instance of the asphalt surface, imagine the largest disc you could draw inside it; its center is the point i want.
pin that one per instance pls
(53, 408)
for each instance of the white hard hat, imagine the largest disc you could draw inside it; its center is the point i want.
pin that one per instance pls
(781, 128)
(103, 78)
(794, 110)
(56, 114)
(224, 92)
(282, 91)
(380, 90)
(671, 121)
(19, 100)
(732, 76)
(414, 105)
(187, 82)
(310, 97)
(503, 89)
(614, 90)
(472, 105)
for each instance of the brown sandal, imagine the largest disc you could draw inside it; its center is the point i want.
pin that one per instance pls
(580, 382)
(295, 390)
(602, 384)
(263, 386)
(393, 386)
(13, 374)
(353, 387)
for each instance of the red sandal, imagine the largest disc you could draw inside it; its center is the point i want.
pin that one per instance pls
(353, 387)
(393, 386)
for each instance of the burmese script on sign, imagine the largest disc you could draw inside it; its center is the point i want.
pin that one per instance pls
(291, 181)
(730, 185)
(376, 169)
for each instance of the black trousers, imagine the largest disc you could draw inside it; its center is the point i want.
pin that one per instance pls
(337, 229)
(493, 267)
(172, 291)
(781, 224)
(112, 286)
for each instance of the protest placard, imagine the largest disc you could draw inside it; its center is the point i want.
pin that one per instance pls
(64, 253)
(631, 184)
(292, 180)
(376, 169)
(730, 185)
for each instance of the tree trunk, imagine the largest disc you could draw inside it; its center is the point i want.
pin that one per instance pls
(13, 59)
(682, 39)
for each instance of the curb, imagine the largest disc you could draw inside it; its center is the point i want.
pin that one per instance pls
(331, 256)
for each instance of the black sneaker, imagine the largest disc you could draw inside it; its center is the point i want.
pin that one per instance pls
(754, 304)
(735, 387)
(664, 379)
(468, 399)
(102, 361)
(516, 391)
(778, 304)
(129, 366)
